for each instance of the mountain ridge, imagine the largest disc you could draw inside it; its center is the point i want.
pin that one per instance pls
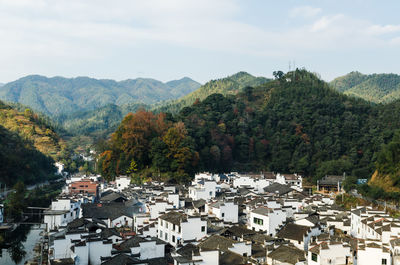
(231, 84)
(377, 88)
(59, 95)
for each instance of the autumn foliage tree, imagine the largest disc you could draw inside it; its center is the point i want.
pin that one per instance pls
(157, 146)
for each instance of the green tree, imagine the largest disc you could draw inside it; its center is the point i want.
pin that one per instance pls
(16, 202)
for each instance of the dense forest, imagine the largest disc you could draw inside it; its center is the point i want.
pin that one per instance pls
(378, 88)
(230, 85)
(22, 134)
(29, 146)
(296, 123)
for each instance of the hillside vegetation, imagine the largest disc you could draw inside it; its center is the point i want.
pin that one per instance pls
(230, 85)
(378, 88)
(57, 96)
(28, 146)
(296, 123)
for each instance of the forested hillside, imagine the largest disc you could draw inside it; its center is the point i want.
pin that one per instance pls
(28, 146)
(296, 123)
(226, 86)
(98, 123)
(57, 96)
(378, 88)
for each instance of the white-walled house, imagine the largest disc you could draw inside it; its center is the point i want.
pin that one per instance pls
(203, 189)
(299, 235)
(193, 255)
(176, 228)
(227, 211)
(143, 247)
(327, 253)
(61, 212)
(295, 181)
(266, 219)
(258, 183)
(373, 252)
(158, 206)
(122, 182)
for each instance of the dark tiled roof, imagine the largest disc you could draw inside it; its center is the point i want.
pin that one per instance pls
(238, 231)
(263, 211)
(105, 211)
(230, 258)
(278, 188)
(66, 261)
(199, 203)
(293, 232)
(188, 251)
(134, 242)
(215, 242)
(124, 259)
(174, 217)
(113, 197)
(287, 254)
(330, 180)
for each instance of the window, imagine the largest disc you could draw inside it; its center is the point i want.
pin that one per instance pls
(166, 236)
(179, 229)
(314, 257)
(210, 193)
(203, 229)
(173, 239)
(258, 221)
(71, 213)
(160, 234)
(173, 227)
(223, 215)
(166, 224)
(65, 215)
(384, 261)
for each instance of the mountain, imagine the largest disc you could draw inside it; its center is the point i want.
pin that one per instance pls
(1, 84)
(182, 86)
(99, 122)
(378, 88)
(28, 146)
(296, 123)
(58, 95)
(228, 85)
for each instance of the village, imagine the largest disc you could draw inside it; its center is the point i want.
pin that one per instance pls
(235, 218)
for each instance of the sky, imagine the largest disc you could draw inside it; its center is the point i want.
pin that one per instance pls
(201, 39)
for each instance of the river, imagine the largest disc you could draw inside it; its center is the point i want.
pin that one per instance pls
(20, 244)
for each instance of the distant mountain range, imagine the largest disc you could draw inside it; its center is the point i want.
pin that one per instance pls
(58, 95)
(104, 120)
(378, 88)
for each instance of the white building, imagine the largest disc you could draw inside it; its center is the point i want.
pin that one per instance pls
(61, 212)
(327, 253)
(203, 189)
(176, 228)
(193, 255)
(373, 252)
(122, 182)
(266, 219)
(227, 211)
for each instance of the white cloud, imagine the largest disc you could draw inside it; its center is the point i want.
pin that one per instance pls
(379, 29)
(66, 30)
(304, 11)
